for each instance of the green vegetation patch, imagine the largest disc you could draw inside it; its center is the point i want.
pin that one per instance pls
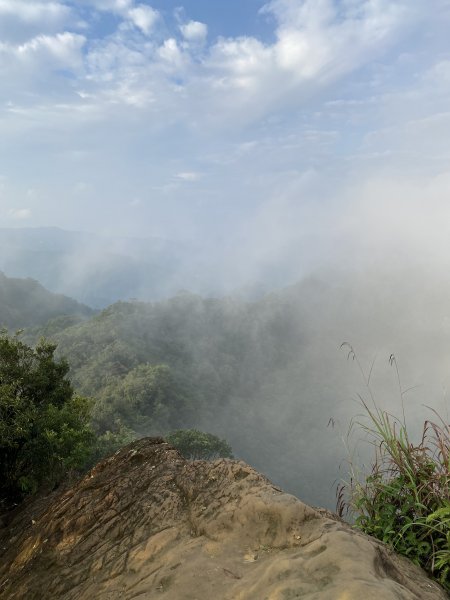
(405, 500)
(197, 445)
(45, 427)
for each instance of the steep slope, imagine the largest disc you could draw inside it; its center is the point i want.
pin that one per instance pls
(26, 303)
(146, 523)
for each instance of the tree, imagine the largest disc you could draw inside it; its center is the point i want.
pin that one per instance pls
(147, 400)
(44, 426)
(197, 445)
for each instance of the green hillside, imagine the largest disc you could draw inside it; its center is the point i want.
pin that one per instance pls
(268, 376)
(234, 368)
(26, 303)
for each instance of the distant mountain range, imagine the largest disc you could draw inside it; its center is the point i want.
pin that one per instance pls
(94, 269)
(100, 270)
(26, 303)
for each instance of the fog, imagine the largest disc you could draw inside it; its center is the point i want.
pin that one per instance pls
(370, 267)
(298, 155)
(295, 426)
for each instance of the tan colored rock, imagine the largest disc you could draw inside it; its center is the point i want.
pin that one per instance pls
(147, 524)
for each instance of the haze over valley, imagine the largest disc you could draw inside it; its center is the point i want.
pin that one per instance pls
(216, 196)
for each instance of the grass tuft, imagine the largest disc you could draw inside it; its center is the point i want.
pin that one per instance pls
(404, 501)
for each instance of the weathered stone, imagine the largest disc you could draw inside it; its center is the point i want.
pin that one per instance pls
(147, 524)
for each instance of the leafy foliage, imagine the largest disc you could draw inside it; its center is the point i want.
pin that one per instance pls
(154, 368)
(405, 501)
(44, 426)
(109, 442)
(146, 400)
(214, 361)
(197, 445)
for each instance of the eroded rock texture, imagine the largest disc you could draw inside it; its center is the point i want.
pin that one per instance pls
(147, 524)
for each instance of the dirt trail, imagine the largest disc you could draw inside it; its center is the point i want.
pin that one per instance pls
(147, 524)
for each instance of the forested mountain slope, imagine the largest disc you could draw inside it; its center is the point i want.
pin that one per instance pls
(268, 375)
(196, 353)
(26, 303)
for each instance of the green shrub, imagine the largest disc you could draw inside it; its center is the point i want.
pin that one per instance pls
(110, 441)
(197, 445)
(405, 500)
(44, 427)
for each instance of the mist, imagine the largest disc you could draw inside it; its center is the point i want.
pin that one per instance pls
(290, 160)
(270, 374)
(369, 267)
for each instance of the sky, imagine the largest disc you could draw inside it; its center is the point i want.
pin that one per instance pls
(315, 129)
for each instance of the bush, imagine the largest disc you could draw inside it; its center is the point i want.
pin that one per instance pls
(110, 441)
(197, 445)
(44, 427)
(405, 500)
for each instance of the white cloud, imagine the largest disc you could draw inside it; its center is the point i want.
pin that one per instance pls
(144, 17)
(32, 12)
(315, 44)
(403, 217)
(110, 5)
(63, 47)
(305, 15)
(242, 56)
(194, 31)
(21, 20)
(239, 79)
(171, 53)
(372, 219)
(43, 52)
(19, 214)
(439, 74)
(244, 79)
(307, 97)
(189, 176)
(82, 187)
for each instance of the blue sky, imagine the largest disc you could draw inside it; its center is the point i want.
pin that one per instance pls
(314, 128)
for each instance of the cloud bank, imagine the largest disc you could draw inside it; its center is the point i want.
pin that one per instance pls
(321, 135)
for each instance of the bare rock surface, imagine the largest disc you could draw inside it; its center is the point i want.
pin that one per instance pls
(147, 524)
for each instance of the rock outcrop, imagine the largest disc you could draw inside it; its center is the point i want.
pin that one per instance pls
(147, 524)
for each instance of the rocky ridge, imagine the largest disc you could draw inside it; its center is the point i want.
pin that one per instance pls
(146, 523)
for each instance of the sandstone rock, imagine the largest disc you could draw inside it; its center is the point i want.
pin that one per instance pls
(148, 524)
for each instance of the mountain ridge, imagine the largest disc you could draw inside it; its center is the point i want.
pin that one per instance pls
(27, 303)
